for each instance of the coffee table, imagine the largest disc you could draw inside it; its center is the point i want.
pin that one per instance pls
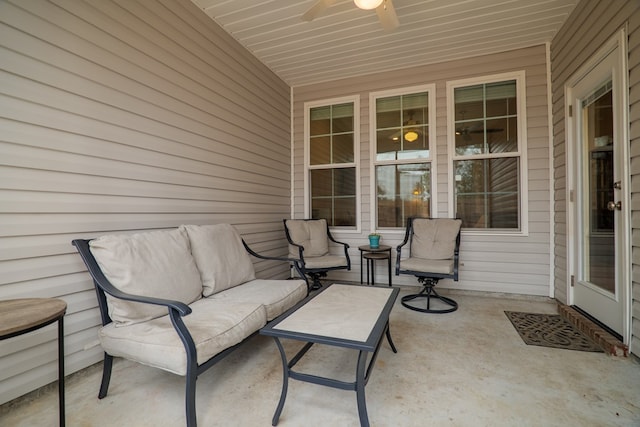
(349, 316)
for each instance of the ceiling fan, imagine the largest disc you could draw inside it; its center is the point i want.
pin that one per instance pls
(384, 8)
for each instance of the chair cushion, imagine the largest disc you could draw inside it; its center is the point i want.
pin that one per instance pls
(326, 261)
(214, 326)
(439, 266)
(155, 264)
(220, 256)
(312, 235)
(434, 238)
(277, 296)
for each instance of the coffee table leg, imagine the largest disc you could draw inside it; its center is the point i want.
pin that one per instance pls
(388, 333)
(360, 383)
(285, 383)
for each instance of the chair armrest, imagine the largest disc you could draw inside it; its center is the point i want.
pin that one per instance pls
(345, 246)
(106, 286)
(296, 262)
(402, 244)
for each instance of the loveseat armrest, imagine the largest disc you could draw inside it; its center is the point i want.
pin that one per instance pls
(104, 285)
(296, 262)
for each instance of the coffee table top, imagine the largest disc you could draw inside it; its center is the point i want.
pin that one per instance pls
(351, 316)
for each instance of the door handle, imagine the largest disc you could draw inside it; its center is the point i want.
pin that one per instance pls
(612, 206)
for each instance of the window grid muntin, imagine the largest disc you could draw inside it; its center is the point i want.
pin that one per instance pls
(516, 154)
(404, 156)
(352, 105)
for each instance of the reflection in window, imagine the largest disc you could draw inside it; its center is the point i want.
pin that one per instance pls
(487, 192)
(403, 190)
(333, 196)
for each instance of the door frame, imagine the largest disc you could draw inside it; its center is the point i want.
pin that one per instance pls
(619, 41)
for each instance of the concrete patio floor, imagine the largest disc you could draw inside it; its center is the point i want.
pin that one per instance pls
(467, 368)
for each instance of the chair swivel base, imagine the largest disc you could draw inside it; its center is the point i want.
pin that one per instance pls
(315, 280)
(428, 292)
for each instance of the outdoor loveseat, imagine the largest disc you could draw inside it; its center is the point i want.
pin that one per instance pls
(181, 299)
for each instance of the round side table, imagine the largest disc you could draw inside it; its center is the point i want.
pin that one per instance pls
(371, 255)
(19, 316)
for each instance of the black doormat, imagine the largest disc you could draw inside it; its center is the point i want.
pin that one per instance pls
(549, 330)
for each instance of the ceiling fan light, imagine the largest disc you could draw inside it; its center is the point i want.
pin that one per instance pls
(368, 4)
(411, 135)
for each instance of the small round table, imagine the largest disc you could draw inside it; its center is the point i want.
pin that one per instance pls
(371, 255)
(19, 316)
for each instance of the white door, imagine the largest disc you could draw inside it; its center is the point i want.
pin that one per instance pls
(598, 205)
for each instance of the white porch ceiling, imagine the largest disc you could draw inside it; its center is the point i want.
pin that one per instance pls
(347, 41)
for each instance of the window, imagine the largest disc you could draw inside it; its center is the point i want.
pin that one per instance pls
(331, 163)
(486, 131)
(403, 154)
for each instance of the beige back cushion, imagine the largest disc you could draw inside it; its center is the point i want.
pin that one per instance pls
(434, 238)
(154, 264)
(220, 256)
(312, 235)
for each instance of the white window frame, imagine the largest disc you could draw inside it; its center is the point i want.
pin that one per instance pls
(373, 96)
(521, 153)
(355, 99)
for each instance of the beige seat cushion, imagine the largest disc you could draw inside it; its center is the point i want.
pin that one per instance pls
(214, 326)
(277, 296)
(441, 266)
(312, 235)
(155, 264)
(220, 256)
(326, 261)
(434, 238)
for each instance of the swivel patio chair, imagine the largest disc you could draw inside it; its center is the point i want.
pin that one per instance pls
(309, 242)
(434, 245)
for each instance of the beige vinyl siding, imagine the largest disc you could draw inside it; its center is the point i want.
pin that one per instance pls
(512, 264)
(592, 24)
(119, 116)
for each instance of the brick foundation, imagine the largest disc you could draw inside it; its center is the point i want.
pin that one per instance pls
(610, 344)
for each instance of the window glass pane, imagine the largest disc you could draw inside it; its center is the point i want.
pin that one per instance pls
(343, 148)
(470, 138)
(344, 182)
(320, 121)
(320, 150)
(344, 214)
(486, 193)
(469, 102)
(321, 183)
(342, 118)
(501, 98)
(322, 208)
(333, 196)
(388, 112)
(402, 191)
(502, 135)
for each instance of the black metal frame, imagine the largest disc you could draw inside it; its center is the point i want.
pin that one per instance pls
(316, 273)
(363, 369)
(427, 280)
(177, 310)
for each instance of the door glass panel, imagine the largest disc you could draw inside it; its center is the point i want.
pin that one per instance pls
(599, 255)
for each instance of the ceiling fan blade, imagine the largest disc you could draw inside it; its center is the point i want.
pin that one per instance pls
(387, 15)
(317, 9)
